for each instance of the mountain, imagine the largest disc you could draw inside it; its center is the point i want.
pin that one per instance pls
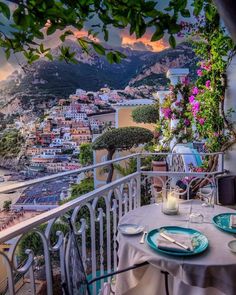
(155, 68)
(51, 80)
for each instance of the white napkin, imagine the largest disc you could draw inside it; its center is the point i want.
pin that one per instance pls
(164, 244)
(232, 221)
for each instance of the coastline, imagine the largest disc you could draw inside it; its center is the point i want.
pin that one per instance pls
(13, 197)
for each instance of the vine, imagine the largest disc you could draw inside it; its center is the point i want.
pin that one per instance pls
(201, 110)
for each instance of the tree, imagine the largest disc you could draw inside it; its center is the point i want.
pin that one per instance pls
(28, 23)
(86, 154)
(7, 205)
(146, 114)
(121, 139)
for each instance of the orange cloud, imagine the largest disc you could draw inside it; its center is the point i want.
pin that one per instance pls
(153, 46)
(5, 71)
(83, 33)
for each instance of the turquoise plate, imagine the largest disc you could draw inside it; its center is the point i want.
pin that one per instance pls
(222, 222)
(200, 241)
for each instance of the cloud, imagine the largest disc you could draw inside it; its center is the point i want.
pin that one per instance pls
(143, 43)
(6, 70)
(140, 46)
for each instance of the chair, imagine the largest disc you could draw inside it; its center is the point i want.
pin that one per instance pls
(76, 281)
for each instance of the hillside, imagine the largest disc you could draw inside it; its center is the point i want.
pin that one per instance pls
(49, 80)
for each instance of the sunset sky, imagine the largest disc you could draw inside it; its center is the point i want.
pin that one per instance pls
(117, 38)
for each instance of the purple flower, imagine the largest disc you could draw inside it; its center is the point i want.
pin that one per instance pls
(201, 121)
(191, 99)
(206, 67)
(166, 112)
(208, 84)
(178, 103)
(199, 73)
(186, 122)
(195, 91)
(185, 80)
(195, 108)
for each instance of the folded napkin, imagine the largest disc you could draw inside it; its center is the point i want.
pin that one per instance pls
(232, 221)
(164, 244)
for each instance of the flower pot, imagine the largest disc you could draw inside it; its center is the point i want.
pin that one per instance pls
(159, 166)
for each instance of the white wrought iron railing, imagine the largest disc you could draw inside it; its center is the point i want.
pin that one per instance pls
(94, 216)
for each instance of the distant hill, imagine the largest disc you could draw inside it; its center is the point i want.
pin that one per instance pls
(48, 80)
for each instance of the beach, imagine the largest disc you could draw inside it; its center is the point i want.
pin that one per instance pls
(12, 196)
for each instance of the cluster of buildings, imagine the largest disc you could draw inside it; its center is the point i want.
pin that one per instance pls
(53, 143)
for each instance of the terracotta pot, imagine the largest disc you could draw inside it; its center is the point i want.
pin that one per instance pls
(159, 166)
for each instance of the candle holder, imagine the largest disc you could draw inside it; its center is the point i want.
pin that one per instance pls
(170, 203)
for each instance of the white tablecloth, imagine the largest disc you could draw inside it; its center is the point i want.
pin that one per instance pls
(212, 272)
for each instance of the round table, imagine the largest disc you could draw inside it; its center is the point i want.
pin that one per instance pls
(211, 272)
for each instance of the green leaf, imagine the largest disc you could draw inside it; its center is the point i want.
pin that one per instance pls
(98, 48)
(172, 41)
(41, 48)
(38, 34)
(174, 28)
(110, 58)
(120, 54)
(5, 10)
(185, 13)
(49, 56)
(7, 53)
(209, 11)
(51, 29)
(106, 35)
(198, 5)
(158, 34)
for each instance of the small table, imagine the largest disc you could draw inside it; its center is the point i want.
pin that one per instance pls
(212, 272)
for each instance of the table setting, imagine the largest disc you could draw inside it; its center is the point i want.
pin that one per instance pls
(193, 242)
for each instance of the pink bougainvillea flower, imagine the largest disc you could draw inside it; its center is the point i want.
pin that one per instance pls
(195, 108)
(199, 73)
(195, 90)
(216, 134)
(208, 84)
(167, 113)
(185, 80)
(186, 122)
(191, 99)
(205, 66)
(172, 87)
(201, 121)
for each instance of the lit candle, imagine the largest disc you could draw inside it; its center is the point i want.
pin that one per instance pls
(171, 203)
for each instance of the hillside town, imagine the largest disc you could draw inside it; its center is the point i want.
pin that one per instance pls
(52, 142)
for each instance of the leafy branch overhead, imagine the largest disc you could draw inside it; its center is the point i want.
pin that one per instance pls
(25, 27)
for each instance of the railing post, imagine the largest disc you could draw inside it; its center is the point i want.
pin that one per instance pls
(222, 162)
(138, 162)
(139, 180)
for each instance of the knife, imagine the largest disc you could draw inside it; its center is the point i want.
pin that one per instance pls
(174, 241)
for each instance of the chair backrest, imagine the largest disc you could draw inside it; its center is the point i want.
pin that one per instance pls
(76, 280)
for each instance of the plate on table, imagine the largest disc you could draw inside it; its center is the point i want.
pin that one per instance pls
(222, 221)
(199, 240)
(130, 229)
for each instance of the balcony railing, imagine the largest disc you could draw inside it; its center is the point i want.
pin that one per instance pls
(94, 216)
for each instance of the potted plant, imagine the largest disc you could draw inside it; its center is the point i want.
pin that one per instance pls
(159, 164)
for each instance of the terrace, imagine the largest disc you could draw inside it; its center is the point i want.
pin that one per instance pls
(95, 217)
